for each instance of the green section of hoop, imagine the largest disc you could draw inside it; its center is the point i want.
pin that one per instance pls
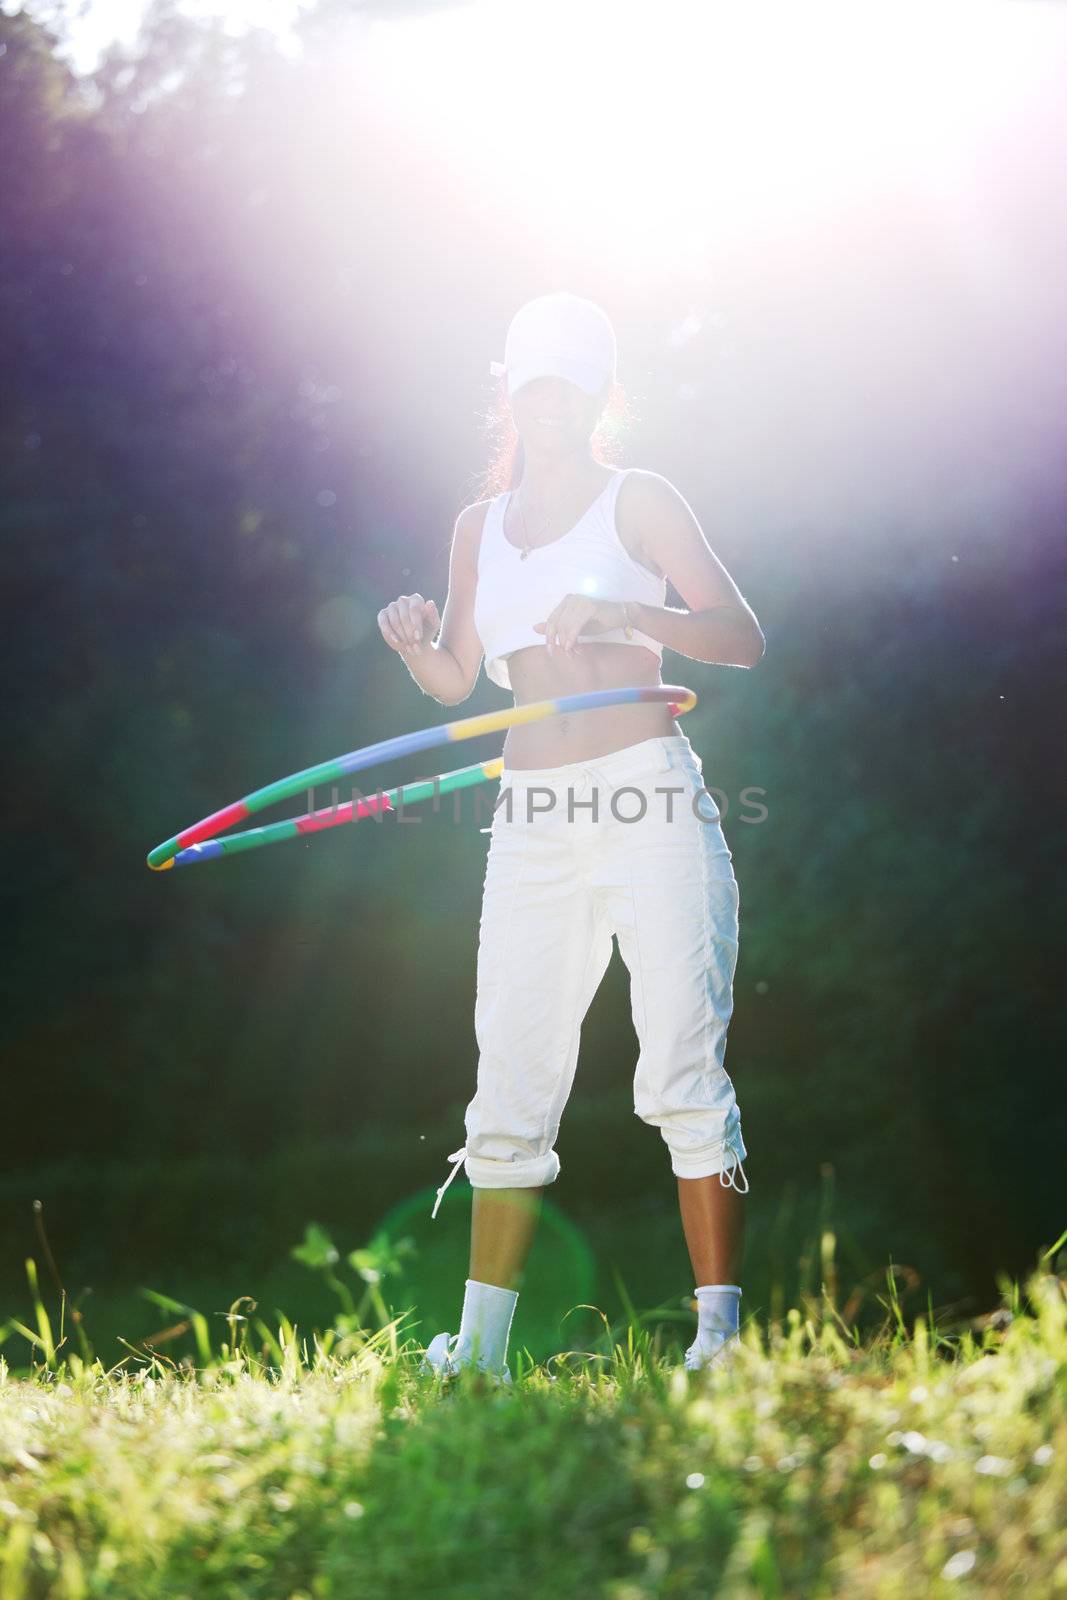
(405, 794)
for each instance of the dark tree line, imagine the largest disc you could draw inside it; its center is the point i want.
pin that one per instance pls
(187, 614)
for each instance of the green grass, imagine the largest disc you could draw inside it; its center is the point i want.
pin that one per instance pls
(246, 1459)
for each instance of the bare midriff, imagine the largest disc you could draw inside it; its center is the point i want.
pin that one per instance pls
(583, 735)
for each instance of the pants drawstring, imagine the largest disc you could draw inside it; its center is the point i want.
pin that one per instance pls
(737, 1168)
(458, 1156)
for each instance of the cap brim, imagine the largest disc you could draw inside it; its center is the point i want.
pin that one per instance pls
(586, 374)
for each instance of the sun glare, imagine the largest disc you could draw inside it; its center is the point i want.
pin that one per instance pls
(717, 116)
(663, 131)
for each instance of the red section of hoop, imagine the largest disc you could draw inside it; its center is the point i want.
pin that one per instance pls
(333, 816)
(216, 823)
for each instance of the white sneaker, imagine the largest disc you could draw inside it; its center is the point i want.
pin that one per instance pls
(440, 1358)
(722, 1353)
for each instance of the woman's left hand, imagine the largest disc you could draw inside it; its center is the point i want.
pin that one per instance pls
(575, 614)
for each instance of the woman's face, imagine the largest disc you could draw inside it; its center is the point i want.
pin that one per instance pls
(554, 416)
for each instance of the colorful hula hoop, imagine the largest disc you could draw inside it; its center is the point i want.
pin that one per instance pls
(199, 843)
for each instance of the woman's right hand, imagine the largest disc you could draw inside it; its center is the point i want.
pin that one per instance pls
(409, 623)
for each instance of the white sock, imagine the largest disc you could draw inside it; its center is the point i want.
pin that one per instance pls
(486, 1323)
(719, 1305)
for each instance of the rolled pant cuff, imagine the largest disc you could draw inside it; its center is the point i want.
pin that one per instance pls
(486, 1174)
(531, 1173)
(717, 1160)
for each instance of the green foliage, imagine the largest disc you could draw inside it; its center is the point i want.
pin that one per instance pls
(380, 1259)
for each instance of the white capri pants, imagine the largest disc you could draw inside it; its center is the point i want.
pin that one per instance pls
(579, 853)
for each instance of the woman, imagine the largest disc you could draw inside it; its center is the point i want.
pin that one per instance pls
(603, 825)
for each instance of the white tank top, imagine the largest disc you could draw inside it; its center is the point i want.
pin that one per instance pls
(513, 594)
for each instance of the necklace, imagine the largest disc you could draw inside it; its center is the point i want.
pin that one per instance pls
(525, 533)
(526, 545)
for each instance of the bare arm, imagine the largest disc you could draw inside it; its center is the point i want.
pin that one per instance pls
(458, 635)
(719, 626)
(448, 669)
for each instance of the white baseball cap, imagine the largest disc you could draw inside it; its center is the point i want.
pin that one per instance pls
(558, 335)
